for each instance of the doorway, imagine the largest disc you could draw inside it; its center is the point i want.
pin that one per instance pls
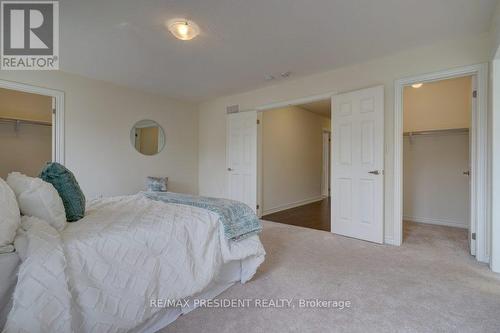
(25, 132)
(295, 164)
(31, 127)
(437, 119)
(326, 170)
(357, 160)
(477, 234)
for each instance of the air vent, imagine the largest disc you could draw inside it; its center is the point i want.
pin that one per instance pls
(233, 109)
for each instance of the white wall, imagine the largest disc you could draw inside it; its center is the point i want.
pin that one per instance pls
(292, 149)
(25, 150)
(28, 148)
(22, 105)
(212, 140)
(495, 32)
(435, 189)
(99, 117)
(438, 105)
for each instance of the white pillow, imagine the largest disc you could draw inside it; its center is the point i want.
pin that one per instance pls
(38, 198)
(10, 217)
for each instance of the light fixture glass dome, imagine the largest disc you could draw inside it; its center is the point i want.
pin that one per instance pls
(417, 85)
(183, 29)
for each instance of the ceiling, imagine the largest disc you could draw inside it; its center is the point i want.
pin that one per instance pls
(241, 41)
(319, 107)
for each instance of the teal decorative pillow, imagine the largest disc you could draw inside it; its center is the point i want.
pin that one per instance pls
(66, 185)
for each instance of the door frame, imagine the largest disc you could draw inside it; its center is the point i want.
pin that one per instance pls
(326, 162)
(479, 152)
(271, 106)
(58, 151)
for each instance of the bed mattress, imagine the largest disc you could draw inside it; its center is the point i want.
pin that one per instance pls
(9, 262)
(229, 275)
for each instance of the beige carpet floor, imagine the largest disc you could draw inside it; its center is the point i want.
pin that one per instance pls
(430, 284)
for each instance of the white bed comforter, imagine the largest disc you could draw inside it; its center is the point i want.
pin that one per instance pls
(101, 273)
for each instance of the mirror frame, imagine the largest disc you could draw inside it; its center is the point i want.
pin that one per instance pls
(161, 136)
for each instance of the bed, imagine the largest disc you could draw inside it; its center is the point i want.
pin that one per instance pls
(9, 262)
(105, 272)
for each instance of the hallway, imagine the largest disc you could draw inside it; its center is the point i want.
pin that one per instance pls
(315, 215)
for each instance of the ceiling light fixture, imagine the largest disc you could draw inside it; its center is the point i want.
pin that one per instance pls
(417, 85)
(285, 74)
(183, 29)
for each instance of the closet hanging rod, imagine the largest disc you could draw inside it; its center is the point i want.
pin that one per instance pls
(439, 131)
(18, 122)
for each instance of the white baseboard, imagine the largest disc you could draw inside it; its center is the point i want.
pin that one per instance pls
(486, 260)
(388, 241)
(444, 222)
(292, 205)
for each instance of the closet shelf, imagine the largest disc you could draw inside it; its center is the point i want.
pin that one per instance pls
(439, 131)
(18, 122)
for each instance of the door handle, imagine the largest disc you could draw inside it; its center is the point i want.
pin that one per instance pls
(467, 173)
(374, 172)
(229, 169)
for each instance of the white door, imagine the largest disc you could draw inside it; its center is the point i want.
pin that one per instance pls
(357, 164)
(242, 157)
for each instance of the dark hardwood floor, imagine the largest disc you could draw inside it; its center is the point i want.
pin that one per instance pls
(315, 215)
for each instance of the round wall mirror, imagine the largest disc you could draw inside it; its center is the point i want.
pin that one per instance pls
(147, 137)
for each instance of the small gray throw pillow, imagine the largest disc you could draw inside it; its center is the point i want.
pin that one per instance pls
(156, 184)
